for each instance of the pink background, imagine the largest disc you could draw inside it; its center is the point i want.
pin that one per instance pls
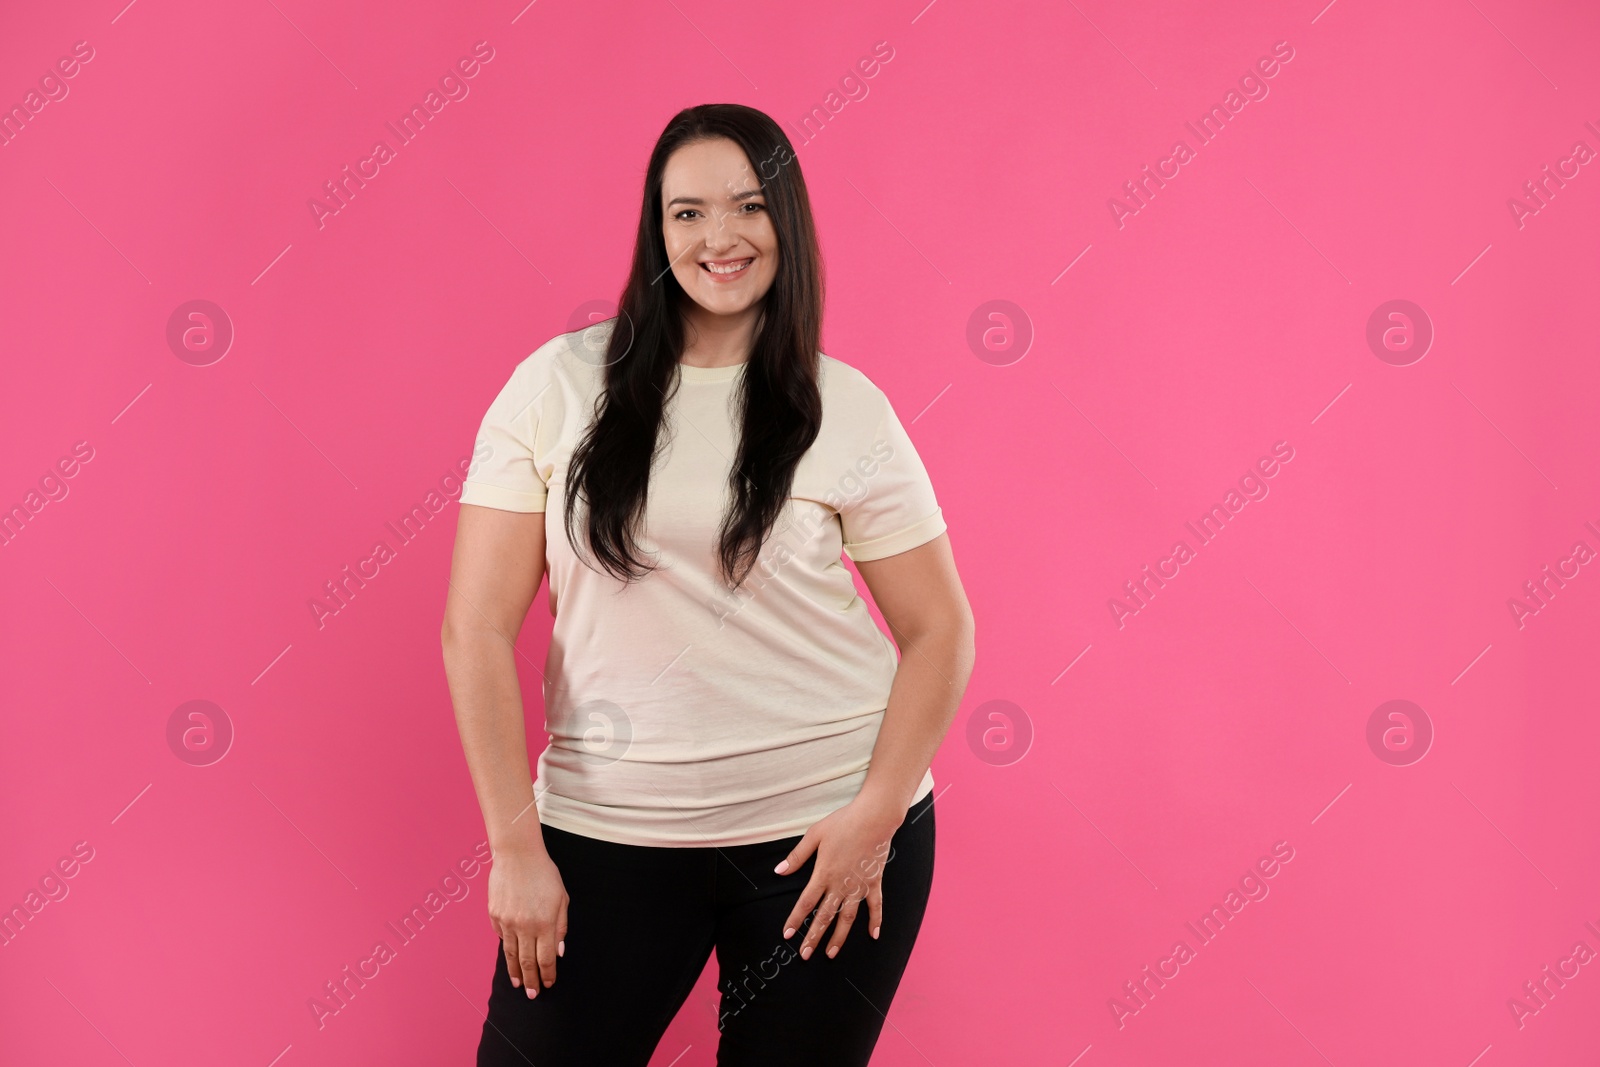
(1228, 314)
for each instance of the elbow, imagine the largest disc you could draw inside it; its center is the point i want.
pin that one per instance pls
(466, 634)
(958, 625)
(958, 619)
(965, 627)
(967, 632)
(452, 635)
(954, 627)
(447, 644)
(967, 621)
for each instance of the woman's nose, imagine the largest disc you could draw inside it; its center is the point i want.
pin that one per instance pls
(724, 234)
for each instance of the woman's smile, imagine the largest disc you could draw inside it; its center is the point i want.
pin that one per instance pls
(726, 270)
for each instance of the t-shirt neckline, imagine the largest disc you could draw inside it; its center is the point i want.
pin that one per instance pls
(711, 374)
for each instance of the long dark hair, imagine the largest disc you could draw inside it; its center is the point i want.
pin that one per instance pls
(779, 405)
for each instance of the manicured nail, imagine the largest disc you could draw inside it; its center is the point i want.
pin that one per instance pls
(533, 991)
(561, 948)
(516, 983)
(805, 953)
(788, 933)
(833, 951)
(875, 930)
(780, 868)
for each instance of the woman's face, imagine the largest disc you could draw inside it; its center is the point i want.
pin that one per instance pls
(714, 214)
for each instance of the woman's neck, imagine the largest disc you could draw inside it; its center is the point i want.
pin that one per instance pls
(712, 340)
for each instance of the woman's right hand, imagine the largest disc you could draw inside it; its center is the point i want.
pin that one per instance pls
(528, 908)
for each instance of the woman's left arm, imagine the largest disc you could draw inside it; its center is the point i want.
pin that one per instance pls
(920, 596)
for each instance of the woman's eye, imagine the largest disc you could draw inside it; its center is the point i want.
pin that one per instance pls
(680, 216)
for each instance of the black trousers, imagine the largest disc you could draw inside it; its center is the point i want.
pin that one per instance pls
(641, 923)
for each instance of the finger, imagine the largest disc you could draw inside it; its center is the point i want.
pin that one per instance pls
(819, 925)
(547, 958)
(508, 945)
(802, 908)
(875, 910)
(527, 952)
(847, 916)
(797, 856)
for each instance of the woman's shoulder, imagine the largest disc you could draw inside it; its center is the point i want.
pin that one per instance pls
(575, 358)
(847, 391)
(839, 380)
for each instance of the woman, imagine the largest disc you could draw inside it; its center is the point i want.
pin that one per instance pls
(738, 760)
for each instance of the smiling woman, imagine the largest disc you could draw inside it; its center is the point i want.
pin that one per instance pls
(713, 781)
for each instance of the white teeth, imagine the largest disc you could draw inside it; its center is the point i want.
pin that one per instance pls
(733, 269)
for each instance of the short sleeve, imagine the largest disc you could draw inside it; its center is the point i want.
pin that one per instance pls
(505, 473)
(897, 510)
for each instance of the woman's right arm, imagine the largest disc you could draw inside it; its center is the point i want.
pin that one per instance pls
(497, 567)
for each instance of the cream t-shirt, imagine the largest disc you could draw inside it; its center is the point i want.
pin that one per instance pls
(681, 713)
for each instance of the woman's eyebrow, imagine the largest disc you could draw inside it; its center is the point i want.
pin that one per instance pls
(699, 202)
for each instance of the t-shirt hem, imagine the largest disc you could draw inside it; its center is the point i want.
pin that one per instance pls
(622, 836)
(895, 543)
(495, 496)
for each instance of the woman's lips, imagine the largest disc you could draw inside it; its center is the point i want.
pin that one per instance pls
(724, 274)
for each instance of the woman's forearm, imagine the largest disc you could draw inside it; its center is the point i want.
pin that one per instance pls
(482, 675)
(935, 664)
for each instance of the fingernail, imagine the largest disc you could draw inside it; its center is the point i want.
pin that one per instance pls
(832, 952)
(532, 992)
(875, 930)
(805, 953)
(561, 948)
(780, 868)
(516, 983)
(788, 933)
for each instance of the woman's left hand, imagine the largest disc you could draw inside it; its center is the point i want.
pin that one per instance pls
(852, 846)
